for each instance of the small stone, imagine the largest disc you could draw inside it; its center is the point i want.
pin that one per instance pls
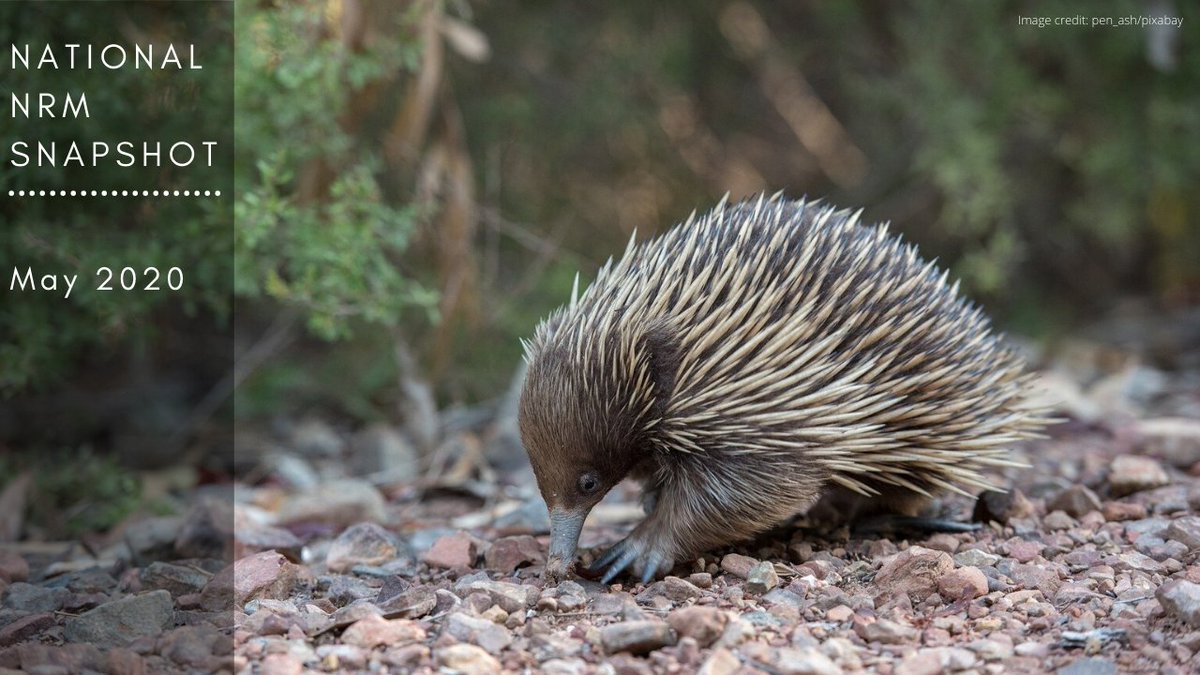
(720, 662)
(1058, 520)
(509, 553)
(564, 667)
(511, 598)
(914, 571)
(13, 567)
(1182, 599)
(1035, 649)
(26, 628)
(250, 538)
(1001, 506)
(495, 615)
(976, 557)
(407, 658)
(25, 597)
(636, 637)
(175, 579)
(411, 604)
(126, 661)
(701, 580)
(340, 503)
(1077, 501)
(374, 631)
(887, 632)
(1036, 577)
(385, 453)
(973, 557)
(738, 565)
(1174, 439)
(362, 544)
(1137, 561)
(343, 590)
(943, 542)
(1089, 666)
(1185, 530)
(262, 575)
(153, 539)
(117, 623)
(924, 662)
(571, 596)
(762, 578)
(467, 659)
(998, 648)
(1119, 511)
(965, 583)
(1023, 550)
(672, 588)
(207, 530)
(478, 631)
(196, 648)
(453, 551)
(1132, 473)
(349, 614)
(803, 661)
(342, 657)
(701, 623)
(281, 664)
(840, 614)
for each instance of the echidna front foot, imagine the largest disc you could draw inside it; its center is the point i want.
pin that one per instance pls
(648, 560)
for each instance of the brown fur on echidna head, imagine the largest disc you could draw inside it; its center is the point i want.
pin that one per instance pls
(751, 360)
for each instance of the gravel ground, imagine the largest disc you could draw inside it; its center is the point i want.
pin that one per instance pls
(1090, 564)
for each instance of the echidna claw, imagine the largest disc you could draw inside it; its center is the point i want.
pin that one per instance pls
(623, 560)
(626, 553)
(652, 567)
(605, 560)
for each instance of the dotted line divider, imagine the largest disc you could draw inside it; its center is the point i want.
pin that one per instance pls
(114, 193)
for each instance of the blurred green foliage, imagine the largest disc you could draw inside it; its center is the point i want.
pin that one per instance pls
(44, 338)
(1052, 169)
(332, 253)
(79, 491)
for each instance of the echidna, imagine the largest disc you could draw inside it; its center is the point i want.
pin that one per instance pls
(746, 363)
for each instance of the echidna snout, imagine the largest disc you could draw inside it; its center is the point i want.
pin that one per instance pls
(747, 362)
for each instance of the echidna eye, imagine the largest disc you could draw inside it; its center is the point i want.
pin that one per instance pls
(589, 483)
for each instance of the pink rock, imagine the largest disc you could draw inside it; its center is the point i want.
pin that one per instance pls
(738, 565)
(26, 628)
(13, 567)
(914, 572)
(262, 575)
(127, 661)
(509, 553)
(1131, 473)
(375, 631)
(839, 614)
(966, 583)
(1023, 551)
(703, 624)
(361, 544)
(281, 664)
(1117, 511)
(453, 551)
(467, 659)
